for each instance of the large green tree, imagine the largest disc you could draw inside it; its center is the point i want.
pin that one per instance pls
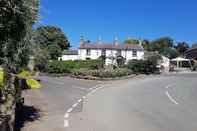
(161, 43)
(16, 20)
(131, 41)
(182, 47)
(53, 39)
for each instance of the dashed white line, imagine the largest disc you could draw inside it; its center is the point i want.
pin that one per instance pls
(66, 115)
(66, 123)
(75, 105)
(93, 90)
(79, 100)
(168, 86)
(84, 97)
(81, 88)
(69, 110)
(172, 99)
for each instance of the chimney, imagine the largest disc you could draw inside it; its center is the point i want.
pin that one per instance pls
(140, 42)
(82, 41)
(116, 41)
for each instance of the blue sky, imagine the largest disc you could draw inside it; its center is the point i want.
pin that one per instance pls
(147, 19)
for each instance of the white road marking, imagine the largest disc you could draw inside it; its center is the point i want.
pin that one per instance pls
(66, 123)
(84, 97)
(172, 99)
(69, 110)
(75, 105)
(93, 90)
(66, 115)
(168, 86)
(81, 88)
(79, 100)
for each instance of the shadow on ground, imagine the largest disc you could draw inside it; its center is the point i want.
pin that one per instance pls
(26, 114)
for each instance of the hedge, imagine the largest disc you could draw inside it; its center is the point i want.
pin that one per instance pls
(68, 66)
(103, 73)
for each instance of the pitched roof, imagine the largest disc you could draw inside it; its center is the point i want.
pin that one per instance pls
(110, 46)
(70, 52)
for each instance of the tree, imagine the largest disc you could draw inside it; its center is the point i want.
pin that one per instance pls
(131, 41)
(146, 44)
(170, 52)
(161, 43)
(182, 47)
(16, 20)
(54, 51)
(48, 35)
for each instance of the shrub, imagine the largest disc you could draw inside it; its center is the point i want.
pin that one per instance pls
(142, 66)
(2, 77)
(24, 74)
(103, 73)
(69, 66)
(33, 84)
(57, 67)
(137, 66)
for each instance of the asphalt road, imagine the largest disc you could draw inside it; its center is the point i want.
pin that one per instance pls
(155, 103)
(45, 108)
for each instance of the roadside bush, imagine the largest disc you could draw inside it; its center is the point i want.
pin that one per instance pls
(142, 66)
(57, 67)
(137, 66)
(69, 66)
(103, 73)
(24, 74)
(2, 77)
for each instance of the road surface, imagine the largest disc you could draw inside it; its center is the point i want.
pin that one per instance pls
(156, 103)
(150, 103)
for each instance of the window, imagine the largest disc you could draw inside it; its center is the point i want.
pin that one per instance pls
(103, 52)
(119, 52)
(88, 52)
(134, 54)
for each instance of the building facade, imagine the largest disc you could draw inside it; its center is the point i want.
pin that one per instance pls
(111, 51)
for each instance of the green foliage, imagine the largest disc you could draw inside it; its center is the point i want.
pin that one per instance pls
(24, 74)
(41, 59)
(54, 51)
(170, 53)
(2, 77)
(142, 66)
(16, 20)
(51, 39)
(131, 41)
(68, 66)
(153, 57)
(182, 47)
(137, 66)
(103, 73)
(33, 84)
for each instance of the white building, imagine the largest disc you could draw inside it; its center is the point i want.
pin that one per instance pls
(69, 55)
(111, 51)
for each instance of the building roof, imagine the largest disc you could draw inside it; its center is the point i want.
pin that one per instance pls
(70, 52)
(110, 46)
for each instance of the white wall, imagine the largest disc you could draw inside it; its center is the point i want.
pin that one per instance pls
(96, 53)
(69, 57)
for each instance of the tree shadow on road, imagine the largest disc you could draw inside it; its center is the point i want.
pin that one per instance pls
(26, 114)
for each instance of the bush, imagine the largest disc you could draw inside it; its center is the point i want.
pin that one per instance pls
(103, 73)
(57, 67)
(137, 66)
(142, 66)
(33, 84)
(69, 66)
(24, 74)
(2, 77)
